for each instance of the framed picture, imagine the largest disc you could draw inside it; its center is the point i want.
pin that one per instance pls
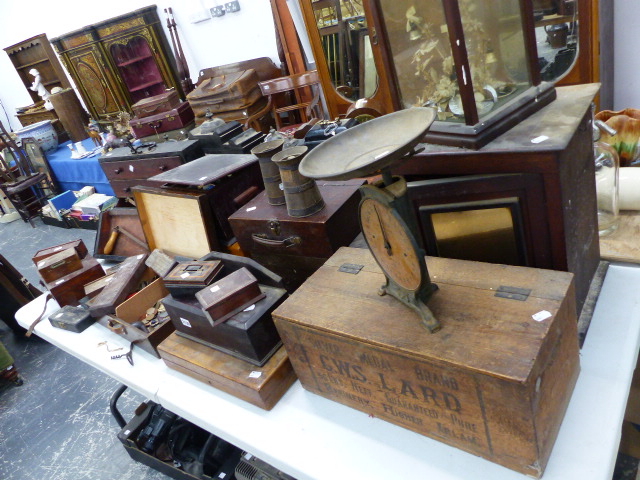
(38, 161)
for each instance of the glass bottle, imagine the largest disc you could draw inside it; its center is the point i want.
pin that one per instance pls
(607, 164)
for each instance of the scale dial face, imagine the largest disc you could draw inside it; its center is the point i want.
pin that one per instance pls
(391, 243)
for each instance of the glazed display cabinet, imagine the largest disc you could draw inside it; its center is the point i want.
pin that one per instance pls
(118, 62)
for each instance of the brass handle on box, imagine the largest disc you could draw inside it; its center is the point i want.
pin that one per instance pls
(262, 239)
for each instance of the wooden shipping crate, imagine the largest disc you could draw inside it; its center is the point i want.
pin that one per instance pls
(495, 381)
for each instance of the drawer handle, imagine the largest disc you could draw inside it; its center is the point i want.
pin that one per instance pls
(262, 239)
(127, 189)
(117, 171)
(162, 168)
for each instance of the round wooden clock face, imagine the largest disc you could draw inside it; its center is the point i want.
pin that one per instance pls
(391, 244)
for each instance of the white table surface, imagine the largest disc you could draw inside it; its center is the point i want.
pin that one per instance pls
(310, 437)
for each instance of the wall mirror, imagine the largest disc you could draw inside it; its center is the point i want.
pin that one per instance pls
(341, 38)
(344, 36)
(557, 38)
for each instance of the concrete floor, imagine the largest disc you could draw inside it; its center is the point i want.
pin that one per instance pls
(57, 425)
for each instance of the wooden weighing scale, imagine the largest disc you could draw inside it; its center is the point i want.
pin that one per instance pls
(385, 217)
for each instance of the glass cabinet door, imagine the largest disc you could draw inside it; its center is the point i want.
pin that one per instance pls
(420, 44)
(138, 68)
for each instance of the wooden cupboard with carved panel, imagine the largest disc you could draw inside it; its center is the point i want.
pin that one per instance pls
(118, 62)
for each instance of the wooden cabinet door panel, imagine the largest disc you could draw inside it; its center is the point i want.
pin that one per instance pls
(90, 78)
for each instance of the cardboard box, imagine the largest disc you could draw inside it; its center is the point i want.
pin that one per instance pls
(495, 381)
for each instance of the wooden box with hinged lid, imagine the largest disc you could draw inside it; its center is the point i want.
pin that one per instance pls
(249, 335)
(128, 322)
(294, 248)
(59, 264)
(198, 198)
(188, 278)
(69, 290)
(229, 295)
(77, 245)
(124, 281)
(494, 381)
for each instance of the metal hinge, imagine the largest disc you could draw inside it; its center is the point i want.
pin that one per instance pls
(513, 293)
(352, 268)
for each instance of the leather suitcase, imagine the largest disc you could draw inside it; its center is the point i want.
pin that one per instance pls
(240, 115)
(294, 248)
(58, 265)
(164, 102)
(229, 295)
(69, 289)
(188, 278)
(248, 335)
(162, 122)
(78, 245)
(233, 91)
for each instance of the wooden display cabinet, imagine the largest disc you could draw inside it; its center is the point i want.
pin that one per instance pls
(118, 62)
(36, 52)
(542, 171)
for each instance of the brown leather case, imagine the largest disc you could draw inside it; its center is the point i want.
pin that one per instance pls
(125, 281)
(237, 114)
(188, 278)
(226, 92)
(174, 119)
(59, 264)
(69, 289)
(164, 102)
(229, 295)
(78, 245)
(294, 248)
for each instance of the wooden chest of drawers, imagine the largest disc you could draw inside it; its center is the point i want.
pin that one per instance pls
(126, 170)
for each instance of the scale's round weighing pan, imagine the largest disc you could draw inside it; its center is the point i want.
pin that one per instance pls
(368, 148)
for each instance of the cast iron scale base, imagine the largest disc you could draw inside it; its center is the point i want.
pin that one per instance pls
(385, 217)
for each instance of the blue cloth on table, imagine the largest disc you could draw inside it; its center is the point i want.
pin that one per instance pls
(75, 173)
